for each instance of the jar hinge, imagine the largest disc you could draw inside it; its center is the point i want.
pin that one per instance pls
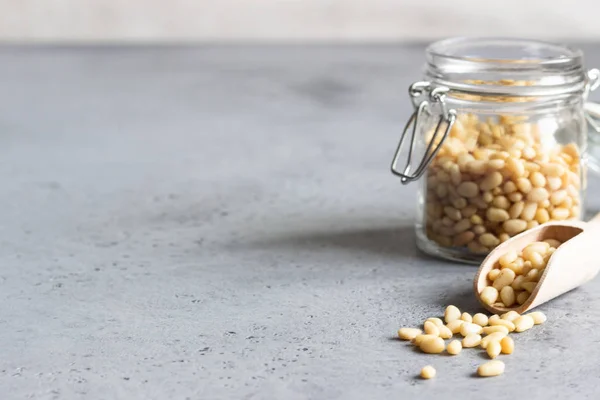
(435, 97)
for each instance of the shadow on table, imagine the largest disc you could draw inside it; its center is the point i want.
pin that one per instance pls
(464, 299)
(384, 241)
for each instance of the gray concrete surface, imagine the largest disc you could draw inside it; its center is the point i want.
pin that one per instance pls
(220, 223)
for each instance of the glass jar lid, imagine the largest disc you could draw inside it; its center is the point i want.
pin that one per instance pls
(506, 67)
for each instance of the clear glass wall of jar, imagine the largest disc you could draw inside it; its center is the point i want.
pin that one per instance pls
(507, 134)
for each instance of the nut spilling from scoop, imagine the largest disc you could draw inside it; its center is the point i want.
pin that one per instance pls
(516, 274)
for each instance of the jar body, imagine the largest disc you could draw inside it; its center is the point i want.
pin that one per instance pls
(500, 171)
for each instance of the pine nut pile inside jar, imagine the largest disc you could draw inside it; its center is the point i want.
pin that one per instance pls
(498, 140)
(493, 179)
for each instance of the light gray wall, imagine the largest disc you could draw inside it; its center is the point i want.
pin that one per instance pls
(168, 20)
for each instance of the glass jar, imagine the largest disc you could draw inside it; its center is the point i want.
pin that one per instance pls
(499, 135)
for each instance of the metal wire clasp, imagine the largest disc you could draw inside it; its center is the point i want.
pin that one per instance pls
(435, 97)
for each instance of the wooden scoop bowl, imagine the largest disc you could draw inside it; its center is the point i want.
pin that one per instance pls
(574, 263)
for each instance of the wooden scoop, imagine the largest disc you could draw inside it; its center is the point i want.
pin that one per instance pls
(574, 263)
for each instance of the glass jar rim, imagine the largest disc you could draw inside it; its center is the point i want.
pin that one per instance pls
(506, 67)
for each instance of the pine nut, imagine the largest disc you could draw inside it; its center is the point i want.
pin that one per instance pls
(480, 319)
(554, 183)
(537, 195)
(523, 323)
(445, 333)
(529, 286)
(468, 189)
(494, 317)
(463, 225)
(560, 214)
(431, 329)
(537, 179)
(515, 197)
(493, 349)
(497, 328)
(463, 238)
(455, 325)
(553, 170)
(489, 295)
(493, 274)
(516, 285)
(524, 185)
(408, 333)
(507, 258)
(509, 325)
(469, 327)
(507, 295)
(454, 347)
(492, 337)
(476, 220)
(432, 346)
(507, 344)
(489, 240)
(514, 226)
(510, 316)
(538, 317)
(436, 321)
(510, 187)
(515, 167)
(428, 372)
(452, 213)
(506, 277)
(529, 210)
(522, 297)
(421, 338)
(452, 313)
(471, 340)
(466, 317)
(491, 368)
(542, 216)
(516, 209)
(501, 202)
(497, 214)
(552, 242)
(558, 197)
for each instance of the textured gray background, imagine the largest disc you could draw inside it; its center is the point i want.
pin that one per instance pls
(220, 223)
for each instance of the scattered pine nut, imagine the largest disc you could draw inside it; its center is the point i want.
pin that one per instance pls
(509, 325)
(496, 328)
(491, 368)
(510, 316)
(428, 372)
(455, 325)
(492, 337)
(408, 333)
(436, 321)
(471, 340)
(480, 319)
(523, 323)
(493, 349)
(466, 317)
(432, 345)
(421, 338)
(469, 327)
(445, 332)
(508, 345)
(454, 347)
(431, 329)
(451, 314)
(538, 317)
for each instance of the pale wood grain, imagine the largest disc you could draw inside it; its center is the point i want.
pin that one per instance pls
(574, 263)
